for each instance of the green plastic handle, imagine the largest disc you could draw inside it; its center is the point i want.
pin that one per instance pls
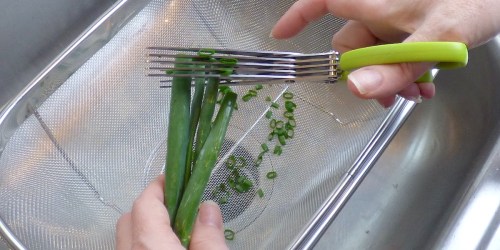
(447, 55)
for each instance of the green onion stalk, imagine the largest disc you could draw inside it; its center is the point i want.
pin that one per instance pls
(178, 138)
(205, 162)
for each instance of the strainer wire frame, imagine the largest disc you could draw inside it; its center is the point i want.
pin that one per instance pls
(98, 34)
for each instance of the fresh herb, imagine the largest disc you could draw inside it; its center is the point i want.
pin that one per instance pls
(279, 124)
(288, 95)
(269, 114)
(178, 138)
(196, 103)
(221, 192)
(264, 147)
(252, 92)
(277, 150)
(258, 161)
(260, 193)
(239, 183)
(290, 106)
(281, 139)
(191, 125)
(206, 53)
(242, 162)
(229, 234)
(270, 137)
(271, 175)
(247, 97)
(288, 115)
(272, 123)
(207, 157)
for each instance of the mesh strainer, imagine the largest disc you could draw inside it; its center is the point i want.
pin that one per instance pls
(85, 138)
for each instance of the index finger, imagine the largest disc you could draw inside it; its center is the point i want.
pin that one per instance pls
(298, 17)
(154, 191)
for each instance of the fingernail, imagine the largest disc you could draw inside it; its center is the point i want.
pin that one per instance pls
(209, 214)
(365, 80)
(416, 99)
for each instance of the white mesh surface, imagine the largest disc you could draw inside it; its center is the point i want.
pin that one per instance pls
(70, 171)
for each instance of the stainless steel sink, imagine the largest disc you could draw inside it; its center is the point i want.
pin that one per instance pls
(34, 32)
(437, 185)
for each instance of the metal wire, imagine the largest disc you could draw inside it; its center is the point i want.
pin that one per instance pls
(91, 147)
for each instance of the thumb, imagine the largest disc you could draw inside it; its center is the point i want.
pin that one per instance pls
(379, 81)
(208, 231)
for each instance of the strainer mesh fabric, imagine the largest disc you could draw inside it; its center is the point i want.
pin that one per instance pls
(74, 166)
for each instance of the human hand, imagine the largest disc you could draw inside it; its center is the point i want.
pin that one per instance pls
(472, 22)
(147, 226)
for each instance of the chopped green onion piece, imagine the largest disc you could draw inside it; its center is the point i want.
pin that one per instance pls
(258, 161)
(229, 234)
(169, 72)
(261, 154)
(269, 114)
(243, 186)
(268, 99)
(226, 71)
(265, 147)
(260, 193)
(290, 133)
(247, 183)
(231, 183)
(279, 124)
(278, 150)
(215, 192)
(281, 139)
(275, 105)
(231, 162)
(222, 187)
(252, 92)
(271, 175)
(279, 131)
(272, 123)
(290, 106)
(223, 199)
(247, 97)
(270, 137)
(288, 95)
(206, 53)
(225, 89)
(239, 183)
(259, 86)
(292, 123)
(228, 61)
(240, 189)
(243, 162)
(288, 115)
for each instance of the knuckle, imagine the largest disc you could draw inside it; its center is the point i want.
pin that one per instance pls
(139, 245)
(123, 220)
(408, 73)
(137, 205)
